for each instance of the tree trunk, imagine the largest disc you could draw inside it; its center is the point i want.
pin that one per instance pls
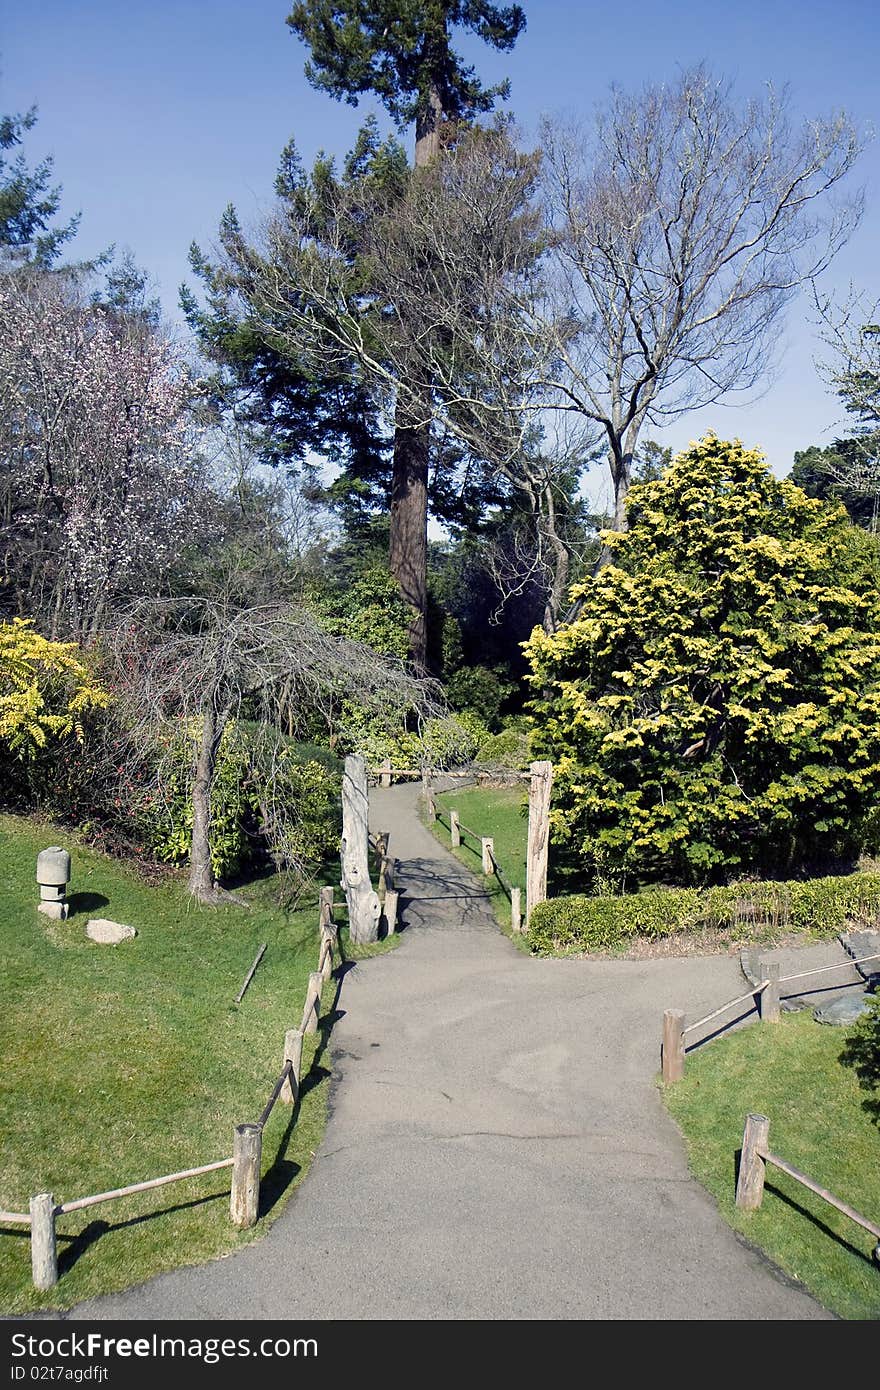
(202, 883)
(408, 544)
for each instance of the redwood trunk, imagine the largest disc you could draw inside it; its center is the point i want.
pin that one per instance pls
(408, 548)
(408, 544)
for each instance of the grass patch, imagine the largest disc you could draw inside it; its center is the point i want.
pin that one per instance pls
(790, 1071)
(496, 812)
(124, 1063)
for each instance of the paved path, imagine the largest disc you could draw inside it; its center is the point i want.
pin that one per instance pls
(496, 1147)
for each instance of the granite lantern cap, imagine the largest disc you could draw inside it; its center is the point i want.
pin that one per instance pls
(53, 873)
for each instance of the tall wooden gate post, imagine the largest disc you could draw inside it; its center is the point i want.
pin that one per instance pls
(363, 902)
(539, 835)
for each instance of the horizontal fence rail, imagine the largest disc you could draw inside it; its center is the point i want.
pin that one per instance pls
(247, 1138)
(672, 1050)
(754, 1157)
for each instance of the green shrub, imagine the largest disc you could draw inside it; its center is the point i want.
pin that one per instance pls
(480, 690)
(820, 905)
(713, 710)
(509, 748)
(441, 742)
(270, 797)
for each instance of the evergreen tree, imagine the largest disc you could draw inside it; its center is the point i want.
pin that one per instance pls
(402, 50)
(28, 201)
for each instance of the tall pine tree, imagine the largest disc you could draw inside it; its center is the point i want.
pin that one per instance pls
(402, 50)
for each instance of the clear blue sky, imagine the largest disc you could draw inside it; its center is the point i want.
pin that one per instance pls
(159, 115)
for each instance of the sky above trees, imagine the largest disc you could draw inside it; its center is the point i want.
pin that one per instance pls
(158, 117)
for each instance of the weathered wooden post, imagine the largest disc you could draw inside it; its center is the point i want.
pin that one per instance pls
(454, 829)
(363, 903)
(385, 778)
(312, 1008)
(325, 904)
(293, 1047)
(247, 1152)
(673, 1045)
(539, 834)
(487, 844)
(770, 992)
(390, 912)
(382, 850)
(428, 797)
(515, 910)
(750, 1182)
(44, 1254)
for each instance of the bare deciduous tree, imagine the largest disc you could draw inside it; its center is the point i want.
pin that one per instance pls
(850, 330)
(682, 228)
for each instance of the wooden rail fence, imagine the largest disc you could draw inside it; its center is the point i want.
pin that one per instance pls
(754, 1157)
(672, 1047)
(246, 1142)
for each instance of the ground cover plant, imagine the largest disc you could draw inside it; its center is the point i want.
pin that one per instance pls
(791, 1072)
(124, 1063)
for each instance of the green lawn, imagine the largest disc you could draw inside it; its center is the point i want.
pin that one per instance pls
(497, 812)
(791, 1072)
(123, 1063)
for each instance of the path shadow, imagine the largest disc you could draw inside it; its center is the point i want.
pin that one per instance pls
(75, 1246)
(78, 904)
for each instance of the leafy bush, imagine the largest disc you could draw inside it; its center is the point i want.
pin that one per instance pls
(820, 905)
(441, 742)
(46, 689)
(509, 748)
(480, 690)
(714, 708)
(270, 796)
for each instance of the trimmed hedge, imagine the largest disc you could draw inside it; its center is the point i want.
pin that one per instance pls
(820, 905)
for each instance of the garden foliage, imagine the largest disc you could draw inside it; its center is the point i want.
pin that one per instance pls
(714, 707)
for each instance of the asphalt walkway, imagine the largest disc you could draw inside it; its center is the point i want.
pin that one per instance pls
(497, 1147)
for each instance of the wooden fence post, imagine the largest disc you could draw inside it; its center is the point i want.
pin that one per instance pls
(488, 847)
(382, 848)
(385, 779)
(750, 1182)
(770, 992)
(363, 903)
(515, 910)
(673, 1045)
(247, 1151)
(44, 1255)
(454, 829)
(293, 1047)
(325, 905)
(313, 1002)
(539, 834)
(390, 912)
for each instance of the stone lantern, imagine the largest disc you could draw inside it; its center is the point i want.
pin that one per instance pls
(53, 876)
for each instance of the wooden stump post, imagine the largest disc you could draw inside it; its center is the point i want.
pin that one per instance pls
(488, 847)
(673, 1045)
(363, 903)
(454, 829)
(247, 1151)
(325, 905)
(328, 940)
(770, 992)
(428, 797)
(750, 1182)
(293, 1047)
(385, 779)
(515, 910)
(44, 1254)
(313, 1002)
(539, 834)
(390, 912)
(382, 848)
